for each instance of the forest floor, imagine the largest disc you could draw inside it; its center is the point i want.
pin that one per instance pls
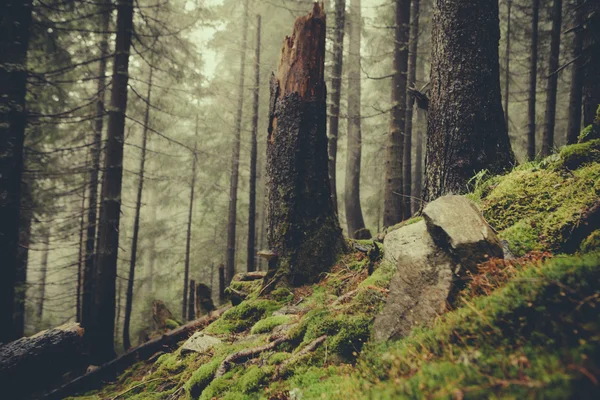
(527, 327)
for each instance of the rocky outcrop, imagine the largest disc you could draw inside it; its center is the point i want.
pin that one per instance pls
(456, 224)
(431, 257)
(420, 286)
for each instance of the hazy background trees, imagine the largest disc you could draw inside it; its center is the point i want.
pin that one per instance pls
(191, 91)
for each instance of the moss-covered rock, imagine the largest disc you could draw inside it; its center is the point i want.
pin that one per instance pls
(576, 155)
(171, 324)
(535, 208)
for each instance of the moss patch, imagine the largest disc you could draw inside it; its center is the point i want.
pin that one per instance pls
(242, 317)
(535, 208)
(591, 243)
(268, 324)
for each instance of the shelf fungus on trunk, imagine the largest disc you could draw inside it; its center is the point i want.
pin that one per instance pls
(303, 229)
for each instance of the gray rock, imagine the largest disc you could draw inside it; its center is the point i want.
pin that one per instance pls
(396, 240)
(199, 342)
(456, 224)
(290, 310)
(420, 286)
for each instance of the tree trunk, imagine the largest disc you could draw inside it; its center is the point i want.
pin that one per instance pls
(354, 216)
(188, 239)
(46, 356)
(221, 283)
(44, 274)
(15, 19)
(90, 256)
(336, 93)
(23, 254)
(80, 254)
(303, 229)
(392, 212)
(410, 102)
(191, 312)
(421, 126)
(251, 253)
(136, 222)
(466, 128)
(235, 160)
(551, 92)
(507, 64)
(533, 67)
(591, 45)
(102, 324)
(576, 94)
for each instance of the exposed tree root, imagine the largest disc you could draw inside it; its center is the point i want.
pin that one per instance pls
(311, 347)
(244, 355)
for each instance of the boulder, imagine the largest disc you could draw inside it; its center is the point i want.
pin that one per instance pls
(421, 285)
(199, 343)
(456, 224)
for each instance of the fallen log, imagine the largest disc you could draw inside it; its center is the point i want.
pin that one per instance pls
(33, 364)
(109, 371)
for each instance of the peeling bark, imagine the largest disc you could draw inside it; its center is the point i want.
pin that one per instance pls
(303, 229)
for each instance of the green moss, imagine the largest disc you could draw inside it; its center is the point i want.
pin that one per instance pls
(278, 358)
(549, 201)
(254, 378)
(249, 288)
(171, 324)
(202, 378)
(591, 243)
(282, 294)
(268, 324)
(243, 316)
(522, 237)
(576, 155)
(216, 388)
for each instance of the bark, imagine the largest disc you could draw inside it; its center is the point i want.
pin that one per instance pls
(392, 210)
(109, 371)
(551, 91)
(507, 64)
(31, 364)
(80, 254)
(136, 221)
(221, 283)
(90, 256)
(102, 323)
(533, 67)
(23, 254)
(303, 229)
(15, 19)
(251, 253)
(591, 49)
(421, 127)
(188, 240)
(576, 94)
(44, 273)
(466, 128)
(354, 215)
(235, 160)
(336, 93)
(191, 312)
(410, 102)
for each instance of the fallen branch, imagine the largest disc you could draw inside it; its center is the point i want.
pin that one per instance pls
(112, 369)
(244, 355)
(311, 347)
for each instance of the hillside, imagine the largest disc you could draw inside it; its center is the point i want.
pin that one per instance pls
(526, 326)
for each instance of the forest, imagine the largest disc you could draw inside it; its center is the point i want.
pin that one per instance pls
(290, 199)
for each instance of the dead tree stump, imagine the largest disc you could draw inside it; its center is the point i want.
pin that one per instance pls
(303, 229)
